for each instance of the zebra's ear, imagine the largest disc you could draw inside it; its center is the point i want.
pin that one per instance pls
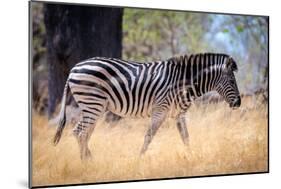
(231, 65)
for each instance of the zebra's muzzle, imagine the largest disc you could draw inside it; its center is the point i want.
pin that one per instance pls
(236, 103)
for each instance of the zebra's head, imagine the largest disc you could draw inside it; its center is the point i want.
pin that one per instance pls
(226, 85)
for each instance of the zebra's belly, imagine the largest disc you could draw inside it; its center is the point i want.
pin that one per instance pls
(141, 111)
(172, 112)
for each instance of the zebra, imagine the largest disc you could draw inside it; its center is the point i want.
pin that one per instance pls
(152, 89)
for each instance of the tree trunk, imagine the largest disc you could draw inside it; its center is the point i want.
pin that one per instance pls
(75, 33)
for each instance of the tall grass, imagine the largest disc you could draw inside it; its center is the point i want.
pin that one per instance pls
(222, 141)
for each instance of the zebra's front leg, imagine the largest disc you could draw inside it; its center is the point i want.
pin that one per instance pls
(181, 125)
(157, 119)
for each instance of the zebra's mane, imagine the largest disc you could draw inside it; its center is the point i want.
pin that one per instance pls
(185, 58)
(179, 58)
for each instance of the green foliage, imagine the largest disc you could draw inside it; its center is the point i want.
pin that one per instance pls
(240, 28)
(225, 30)
(155, 34)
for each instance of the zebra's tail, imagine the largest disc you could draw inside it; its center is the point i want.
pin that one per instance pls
(62, 117)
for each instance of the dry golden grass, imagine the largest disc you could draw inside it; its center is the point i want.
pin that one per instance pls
(222, 141)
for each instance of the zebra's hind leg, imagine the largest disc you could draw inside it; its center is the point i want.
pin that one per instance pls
(157, 119)
(85, 128)
(181, 125)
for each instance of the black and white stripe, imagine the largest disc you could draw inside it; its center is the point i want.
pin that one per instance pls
(153, 89)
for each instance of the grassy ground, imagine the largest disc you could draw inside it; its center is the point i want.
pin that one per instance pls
(222, 141)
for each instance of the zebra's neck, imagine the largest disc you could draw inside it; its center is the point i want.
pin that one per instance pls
(204, 81)
(201, 74)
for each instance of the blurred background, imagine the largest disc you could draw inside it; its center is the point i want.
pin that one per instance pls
(63, 35)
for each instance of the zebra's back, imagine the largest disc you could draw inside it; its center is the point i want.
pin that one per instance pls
(129, 87)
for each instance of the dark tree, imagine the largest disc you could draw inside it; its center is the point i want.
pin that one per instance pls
(75, 33)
